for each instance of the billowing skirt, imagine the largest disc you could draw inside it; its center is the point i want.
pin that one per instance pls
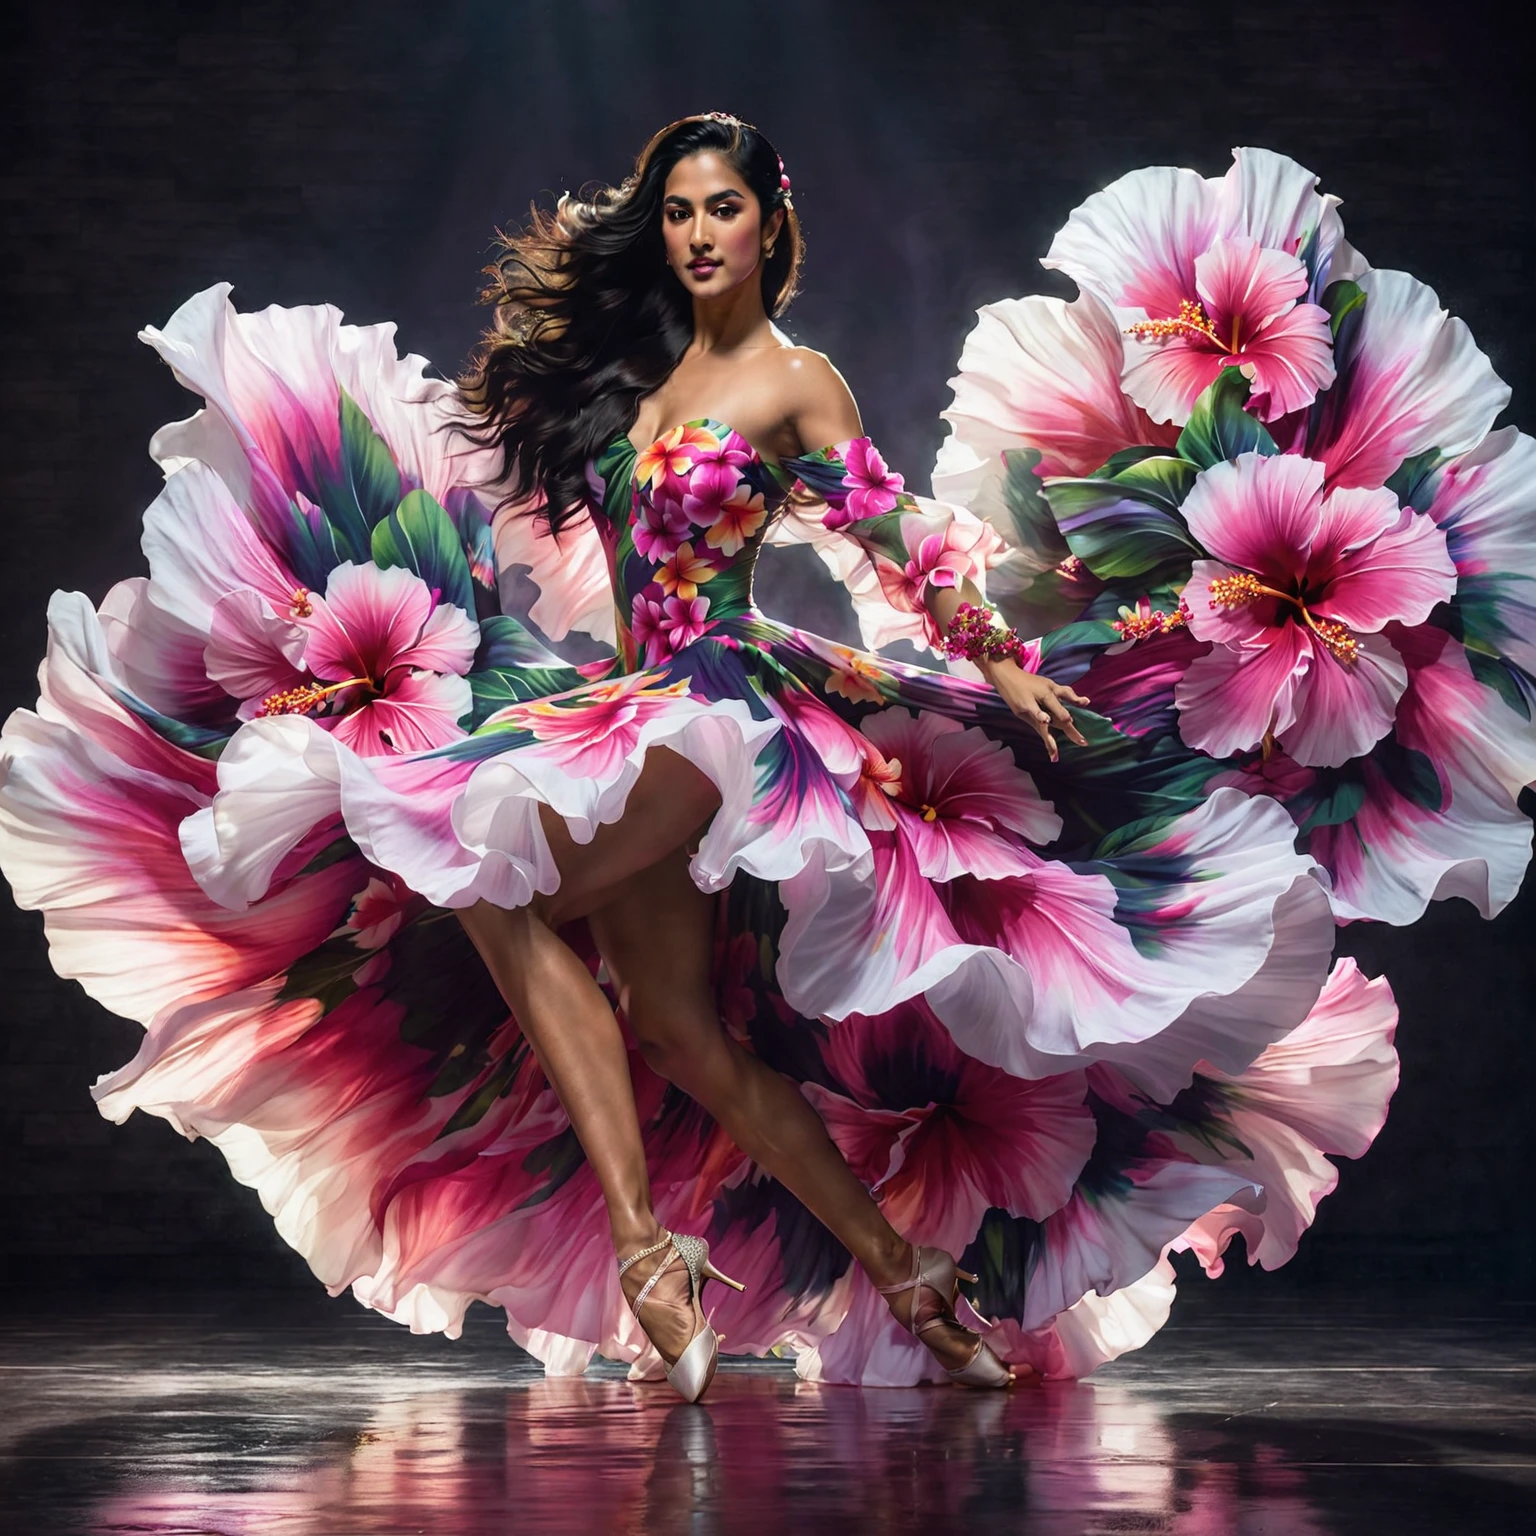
(1063, 1017)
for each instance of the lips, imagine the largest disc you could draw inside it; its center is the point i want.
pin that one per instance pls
(702, 268)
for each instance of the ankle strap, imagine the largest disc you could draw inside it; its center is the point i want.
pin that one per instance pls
(645, 1253)
(907, 1285)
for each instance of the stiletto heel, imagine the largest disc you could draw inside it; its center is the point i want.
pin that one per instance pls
(935, 1271)
(711, 1273)
(694, 1368)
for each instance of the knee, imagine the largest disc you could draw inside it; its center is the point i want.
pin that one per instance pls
(687, 1051)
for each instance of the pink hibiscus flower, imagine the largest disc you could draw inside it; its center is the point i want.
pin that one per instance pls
(386, 663)
(1205, 274)
(958, 797)
(1294, 601)
(972, 1138)
(943, 549)
(872, 487)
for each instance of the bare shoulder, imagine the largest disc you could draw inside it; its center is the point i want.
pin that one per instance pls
(818, 402)
(807, 376)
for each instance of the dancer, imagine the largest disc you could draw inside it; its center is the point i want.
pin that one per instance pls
(1005, 948)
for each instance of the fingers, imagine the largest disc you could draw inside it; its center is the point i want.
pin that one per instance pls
(1066, 691)
(1058, 711)
(1042, 723)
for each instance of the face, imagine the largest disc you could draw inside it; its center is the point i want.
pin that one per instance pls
(712, 224)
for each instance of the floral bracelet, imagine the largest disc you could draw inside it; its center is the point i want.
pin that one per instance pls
(977, 633)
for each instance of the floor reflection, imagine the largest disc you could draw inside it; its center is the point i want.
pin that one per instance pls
(763, 1454)
(260, 1433)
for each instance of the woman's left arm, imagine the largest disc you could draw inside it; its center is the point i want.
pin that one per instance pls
(923, 553)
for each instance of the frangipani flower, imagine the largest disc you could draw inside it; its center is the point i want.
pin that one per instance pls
(1205, 274)
(386, 662)
(683, 619)
(872, 486)
(735, 522)
(1294, 602)
(683, 572)
(660, 527)
(670, 458)
(713, 478)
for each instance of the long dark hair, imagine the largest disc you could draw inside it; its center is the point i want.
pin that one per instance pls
(590, 319)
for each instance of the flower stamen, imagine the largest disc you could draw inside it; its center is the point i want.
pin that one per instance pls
(307, 696)
(1190, 321)
(1241, 589)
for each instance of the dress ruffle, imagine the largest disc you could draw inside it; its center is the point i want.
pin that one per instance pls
(1029, 998)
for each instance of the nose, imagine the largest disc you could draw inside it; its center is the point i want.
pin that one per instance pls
(699, 237)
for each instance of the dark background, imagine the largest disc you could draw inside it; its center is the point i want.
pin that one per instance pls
(362, 154)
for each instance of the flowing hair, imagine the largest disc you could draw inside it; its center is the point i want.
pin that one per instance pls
(590, 318)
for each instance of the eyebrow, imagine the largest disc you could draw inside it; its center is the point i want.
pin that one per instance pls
(714, 197)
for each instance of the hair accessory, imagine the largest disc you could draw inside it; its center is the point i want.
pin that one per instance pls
(978, 633)
(783, 179)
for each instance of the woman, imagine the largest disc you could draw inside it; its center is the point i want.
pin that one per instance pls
(715, 192)
(816, 885)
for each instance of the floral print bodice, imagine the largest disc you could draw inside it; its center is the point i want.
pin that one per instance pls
(682, 521)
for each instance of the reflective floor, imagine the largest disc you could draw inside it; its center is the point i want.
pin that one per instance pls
(251, 1415)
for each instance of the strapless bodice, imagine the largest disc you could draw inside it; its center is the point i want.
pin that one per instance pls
(682, 520)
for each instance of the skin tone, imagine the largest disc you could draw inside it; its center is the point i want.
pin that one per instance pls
(650, 922)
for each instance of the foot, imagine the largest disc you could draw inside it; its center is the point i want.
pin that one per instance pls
(930, 1318)
(667, 1316)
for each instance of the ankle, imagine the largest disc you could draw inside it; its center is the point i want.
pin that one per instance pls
(633, 1230)
(888, 1262)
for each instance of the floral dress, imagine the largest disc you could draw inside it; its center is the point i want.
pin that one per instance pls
(1061, 1017)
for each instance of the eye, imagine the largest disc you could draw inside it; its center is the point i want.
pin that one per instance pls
(730, 210)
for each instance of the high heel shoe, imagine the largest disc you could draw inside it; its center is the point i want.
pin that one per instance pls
(934, 1270)
(694, 1369)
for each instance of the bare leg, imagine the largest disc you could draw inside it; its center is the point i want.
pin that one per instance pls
(655, 934)
(563, 1013)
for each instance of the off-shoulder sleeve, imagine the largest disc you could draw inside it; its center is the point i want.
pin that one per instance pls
(887, 545)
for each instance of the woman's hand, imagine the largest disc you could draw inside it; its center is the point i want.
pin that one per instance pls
(1038, 700)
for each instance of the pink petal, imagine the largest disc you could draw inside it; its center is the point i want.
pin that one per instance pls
(420, 711)
(1342, 710)
(1388, 562)
(865, 1137)
(1166, 378)
(251, 652)
(1134, 244)
(1242, 283)
(1044, 374)
(1258, 513)
(1324, 1088)
(448, 642)
(1413, 379)
(1290, 361)
(1230, 698)
(1276, 201)
(1245, 624)
(369, 617)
